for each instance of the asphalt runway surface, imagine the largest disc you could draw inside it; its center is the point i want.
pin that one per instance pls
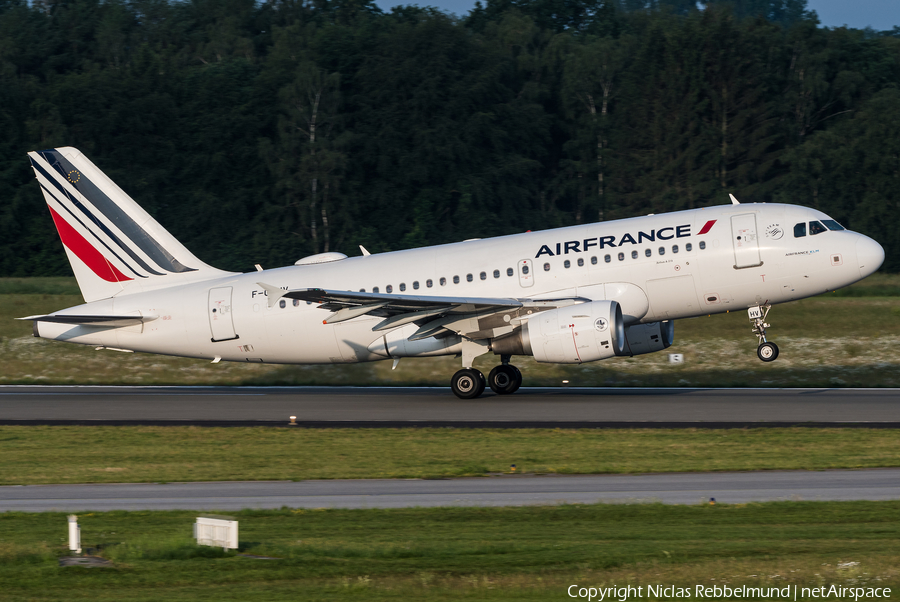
(685, 488)
(423, 406)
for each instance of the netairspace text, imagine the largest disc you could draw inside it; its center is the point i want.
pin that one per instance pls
(790, 592)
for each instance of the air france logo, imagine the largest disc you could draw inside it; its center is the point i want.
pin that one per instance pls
(601, 324)
(602, 242)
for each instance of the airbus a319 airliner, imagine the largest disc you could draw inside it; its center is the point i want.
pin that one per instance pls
(567, 295)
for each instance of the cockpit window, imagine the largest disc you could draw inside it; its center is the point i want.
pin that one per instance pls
(800, 230)
(816, 228)
(832, 225)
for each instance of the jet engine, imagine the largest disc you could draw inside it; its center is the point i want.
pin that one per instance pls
(585, 332)
(647, 338)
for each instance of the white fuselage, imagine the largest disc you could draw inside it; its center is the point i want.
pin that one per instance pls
(675, 283)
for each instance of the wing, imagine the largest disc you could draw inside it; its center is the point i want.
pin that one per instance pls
(473, 317)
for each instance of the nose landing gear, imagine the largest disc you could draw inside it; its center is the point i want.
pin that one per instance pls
(766, 351)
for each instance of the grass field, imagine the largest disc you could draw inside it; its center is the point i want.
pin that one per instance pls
(32, 455)
(528, 553)
(849, 338)
(523, 553)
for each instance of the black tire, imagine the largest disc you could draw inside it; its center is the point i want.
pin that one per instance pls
(504, 379)
(468, 383)
(767, 352)
(518, 379)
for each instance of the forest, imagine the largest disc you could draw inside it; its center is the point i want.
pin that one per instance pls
(261, 132)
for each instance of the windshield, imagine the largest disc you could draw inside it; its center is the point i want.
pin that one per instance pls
(816, 228)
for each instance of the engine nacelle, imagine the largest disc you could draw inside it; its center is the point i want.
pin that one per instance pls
(647, 338)
(585, 332)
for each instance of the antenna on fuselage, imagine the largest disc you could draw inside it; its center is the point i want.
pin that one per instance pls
(734, 201)
(364, 251)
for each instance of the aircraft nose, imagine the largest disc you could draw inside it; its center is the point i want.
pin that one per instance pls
(869, 255)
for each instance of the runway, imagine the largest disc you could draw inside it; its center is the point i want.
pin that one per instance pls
(692, 488)
(422, 406)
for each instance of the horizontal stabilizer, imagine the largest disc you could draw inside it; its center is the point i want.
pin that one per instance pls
(100, 321)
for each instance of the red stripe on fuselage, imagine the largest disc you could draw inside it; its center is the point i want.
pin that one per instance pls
(706, 227)
(85, 251)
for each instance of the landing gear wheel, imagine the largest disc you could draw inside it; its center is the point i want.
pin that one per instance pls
(767, 352)
(518, 379)
(505, 379)
(468, 383)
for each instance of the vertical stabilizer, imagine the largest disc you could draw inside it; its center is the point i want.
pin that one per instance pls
(113, 245)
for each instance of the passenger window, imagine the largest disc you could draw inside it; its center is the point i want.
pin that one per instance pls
(509, 271)
(443, 282)
(546, 267)
(296, 302)
(362, 290)
(594, 260)
(816, 228)
(429, 283)
(456, 280)
(607, 258)
(567, 264)
(621, 256)
(662, 250)
(483, 276)
(688, 247)
(674, 248)
(375, 290)
(496, 273)
(525, 269)
(800, 230)
(702, 244)
(389, 289)
(402, 286)
(648, 252)
(282, 304)
(634, 254)
(580, 262)
(832, 225)
(415, 285)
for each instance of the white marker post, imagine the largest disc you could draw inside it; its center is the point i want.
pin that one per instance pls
(74, 535)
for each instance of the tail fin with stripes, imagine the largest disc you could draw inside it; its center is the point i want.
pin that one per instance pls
(113, 245)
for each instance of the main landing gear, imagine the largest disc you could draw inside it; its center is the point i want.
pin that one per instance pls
(469, 383)
(766, 351)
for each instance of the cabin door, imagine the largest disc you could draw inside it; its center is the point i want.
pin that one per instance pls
(745, 241)
(220, 319)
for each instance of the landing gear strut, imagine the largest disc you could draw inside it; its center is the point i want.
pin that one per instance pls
(766, 351)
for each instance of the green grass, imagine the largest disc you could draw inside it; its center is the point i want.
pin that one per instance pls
(830, 340)
(32, 455)
(530, 553)
(40, 286)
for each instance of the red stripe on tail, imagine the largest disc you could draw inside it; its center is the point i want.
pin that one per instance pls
(706, 227)
(85, 251)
